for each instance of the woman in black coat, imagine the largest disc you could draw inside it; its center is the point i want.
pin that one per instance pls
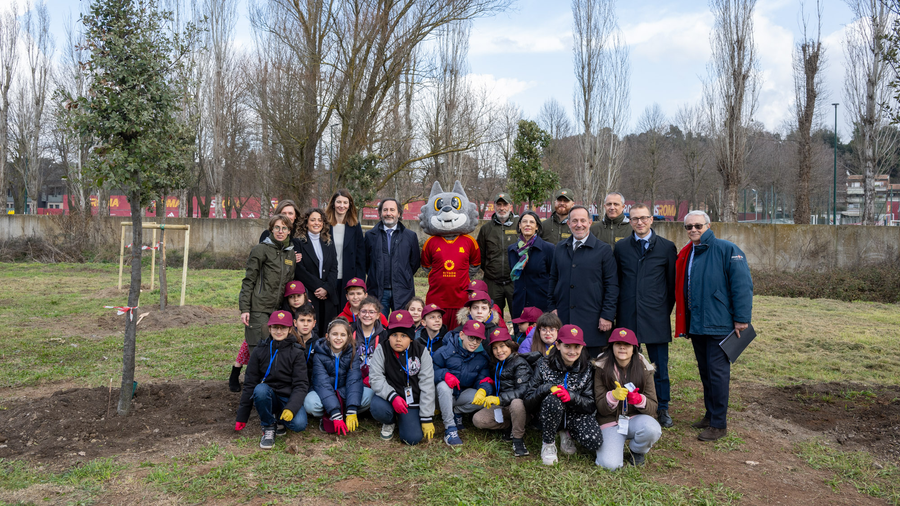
(317, 269)
(530, 260)
(348, 239)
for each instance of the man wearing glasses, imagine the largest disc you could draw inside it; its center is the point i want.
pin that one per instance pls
(646, 267)
(714, 296)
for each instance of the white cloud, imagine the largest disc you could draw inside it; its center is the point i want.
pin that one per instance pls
(678, 38)
(774, 47)
(499, 89)
(549, 36)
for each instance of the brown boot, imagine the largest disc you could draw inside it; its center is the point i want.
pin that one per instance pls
(712, 434)
(701, 423)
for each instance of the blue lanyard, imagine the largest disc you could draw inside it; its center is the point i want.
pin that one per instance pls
(498, 374)
(272, 359)
(430, 344)
(406, 369)
(337, 362)
(366, 345)
(566, 381)
(308, 352)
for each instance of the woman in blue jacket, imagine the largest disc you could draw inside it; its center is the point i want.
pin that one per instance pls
(337, 381)
(530, 259)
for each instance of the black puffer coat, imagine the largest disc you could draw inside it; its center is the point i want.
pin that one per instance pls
(287, 375)
(511, 378)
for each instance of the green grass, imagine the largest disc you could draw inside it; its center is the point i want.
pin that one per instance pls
(856, 469)
(800, 341)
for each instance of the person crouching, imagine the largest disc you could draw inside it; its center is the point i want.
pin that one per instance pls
(625, 412)
(275, 382)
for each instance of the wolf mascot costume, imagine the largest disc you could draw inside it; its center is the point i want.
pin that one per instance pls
(450, 255)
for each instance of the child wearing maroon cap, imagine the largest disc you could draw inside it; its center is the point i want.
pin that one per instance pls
(561, 393)
(479, 285)
(478, 308)
(356, 292)
(462, 378)
(506, 410)
(625, 395)
(403, 380)
(276, 383)
(433, 330)
(525, 323)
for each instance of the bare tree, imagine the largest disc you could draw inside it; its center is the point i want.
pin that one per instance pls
(868, 96)
(731, 93)
(652, 124)
(34, 88)
(692, 148)
(601, 96)
(9, 57)
(808, 62)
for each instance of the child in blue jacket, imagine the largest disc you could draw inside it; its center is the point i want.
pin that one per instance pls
(337, 394)
(462, 378)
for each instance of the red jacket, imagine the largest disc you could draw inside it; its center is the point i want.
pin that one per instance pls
(680, 268)
(348, 315)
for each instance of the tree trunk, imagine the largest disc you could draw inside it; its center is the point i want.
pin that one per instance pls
(134, 293)
(163, 284)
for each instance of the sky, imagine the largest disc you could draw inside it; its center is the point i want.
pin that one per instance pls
(525, 55)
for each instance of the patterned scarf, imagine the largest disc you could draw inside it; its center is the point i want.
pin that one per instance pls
(522, 249)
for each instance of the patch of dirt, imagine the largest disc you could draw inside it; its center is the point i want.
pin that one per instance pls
(81, 424)
(861, 417)
(172, 317)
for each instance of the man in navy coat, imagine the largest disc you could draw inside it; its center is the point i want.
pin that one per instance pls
(392, 258)
(646, 266)
(584, 287)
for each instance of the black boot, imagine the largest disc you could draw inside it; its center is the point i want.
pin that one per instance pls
(234, 382)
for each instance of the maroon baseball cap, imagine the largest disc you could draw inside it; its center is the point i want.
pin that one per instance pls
(430, 308)
(529, 315)
(477, 295)
(571, 334)
(356, 282)
(623, 335)
(477, 285)
(294, 288)
(282, 318)
(401, 321)
(473, 328)
(499, 334)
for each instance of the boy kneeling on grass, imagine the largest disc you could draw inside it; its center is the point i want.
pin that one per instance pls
(275, 382)
(462, 378)
(402, 377)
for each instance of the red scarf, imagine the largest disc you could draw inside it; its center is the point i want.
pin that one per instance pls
(681, 264)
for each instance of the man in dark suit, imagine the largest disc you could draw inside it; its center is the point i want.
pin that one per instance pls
(584, 287)
(646, 266)
(392, 258)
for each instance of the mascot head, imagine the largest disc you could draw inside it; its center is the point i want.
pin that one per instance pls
(448, 213)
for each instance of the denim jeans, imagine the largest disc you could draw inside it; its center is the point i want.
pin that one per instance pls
(269, 407)
(408, 424)
(387, 302)
(313, 404)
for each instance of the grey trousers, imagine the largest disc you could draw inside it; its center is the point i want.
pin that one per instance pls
(643, 431)
(449, 405)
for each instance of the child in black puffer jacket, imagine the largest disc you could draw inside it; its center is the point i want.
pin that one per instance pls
(561, 392)
(506, 409)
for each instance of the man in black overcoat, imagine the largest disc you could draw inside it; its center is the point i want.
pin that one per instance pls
(646, 267)
(583, 283)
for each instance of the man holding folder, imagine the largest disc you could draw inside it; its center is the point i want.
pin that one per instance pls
(713, 298)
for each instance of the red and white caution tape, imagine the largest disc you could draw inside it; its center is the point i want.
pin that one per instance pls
(158, 245)
(120, 310)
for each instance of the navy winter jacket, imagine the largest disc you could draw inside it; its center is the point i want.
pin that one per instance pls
(469, 367)
(349, 379)
(533, 286)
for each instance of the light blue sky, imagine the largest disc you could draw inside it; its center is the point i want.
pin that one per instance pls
(525, 55)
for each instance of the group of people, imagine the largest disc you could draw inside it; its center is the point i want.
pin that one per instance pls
(561, 368)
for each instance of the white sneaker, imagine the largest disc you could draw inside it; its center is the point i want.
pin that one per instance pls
(548, 454)
(566, 443)
(387, 431)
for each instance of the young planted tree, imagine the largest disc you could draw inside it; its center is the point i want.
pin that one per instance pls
(130, 109)
(528, 180)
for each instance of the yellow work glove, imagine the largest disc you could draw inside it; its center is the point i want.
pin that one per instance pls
(352, 423)
(491, 400)
(479, 396)
(554, 388)
(287, 416)
(428, 430)
(620, 392)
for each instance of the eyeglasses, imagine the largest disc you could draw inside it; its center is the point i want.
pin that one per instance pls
(695, 226)
(472, 338)
(642, 219)
(368, 312)
(281, 229)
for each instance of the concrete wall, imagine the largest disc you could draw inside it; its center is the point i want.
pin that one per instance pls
(769, 247)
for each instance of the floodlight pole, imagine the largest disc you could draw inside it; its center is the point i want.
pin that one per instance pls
(834, 187)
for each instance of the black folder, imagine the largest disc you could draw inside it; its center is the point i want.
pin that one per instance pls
(733, 345)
